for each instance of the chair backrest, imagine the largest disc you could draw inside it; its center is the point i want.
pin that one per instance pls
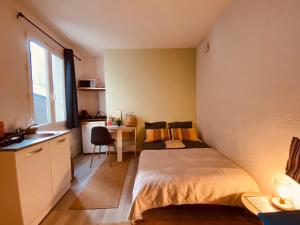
(100, 136)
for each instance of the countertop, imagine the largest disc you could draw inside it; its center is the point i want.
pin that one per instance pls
(91, 120)
(29, 142)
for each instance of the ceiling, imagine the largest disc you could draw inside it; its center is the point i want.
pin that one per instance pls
(95, 25)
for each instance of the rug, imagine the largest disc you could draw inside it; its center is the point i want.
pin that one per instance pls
(104, 189)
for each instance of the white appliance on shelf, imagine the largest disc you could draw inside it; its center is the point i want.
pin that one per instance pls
(86, 129)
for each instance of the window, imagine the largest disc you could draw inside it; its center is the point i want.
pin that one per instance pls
(59, 88)
(48, 85)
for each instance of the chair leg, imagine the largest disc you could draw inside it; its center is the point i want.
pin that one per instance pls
(107, 150)
(109, 155)
(99, 151)
(115, 147)
(93, 156)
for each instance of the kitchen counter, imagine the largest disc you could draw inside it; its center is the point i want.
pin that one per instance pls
(36, 174)
(34, 139)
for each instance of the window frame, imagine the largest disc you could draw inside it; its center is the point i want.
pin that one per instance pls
(50, 87)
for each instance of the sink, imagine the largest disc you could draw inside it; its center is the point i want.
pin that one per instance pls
(39, 135)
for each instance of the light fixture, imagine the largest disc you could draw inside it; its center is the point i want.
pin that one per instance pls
(281, 197)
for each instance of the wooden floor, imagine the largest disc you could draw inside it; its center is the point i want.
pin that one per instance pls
(61, 215)
(174, 215)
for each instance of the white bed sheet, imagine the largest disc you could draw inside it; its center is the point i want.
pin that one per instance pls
(187, 176)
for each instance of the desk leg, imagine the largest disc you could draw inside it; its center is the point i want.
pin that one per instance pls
(135, 142)
(119, 145)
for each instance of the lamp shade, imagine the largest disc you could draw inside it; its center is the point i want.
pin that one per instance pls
(293, 163)
(281, 196)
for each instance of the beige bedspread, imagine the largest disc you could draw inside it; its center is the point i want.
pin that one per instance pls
(187, 176)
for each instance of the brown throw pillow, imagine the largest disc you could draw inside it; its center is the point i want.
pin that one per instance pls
(184, 124)
(155, 125)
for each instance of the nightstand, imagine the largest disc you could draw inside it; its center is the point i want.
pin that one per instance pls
(255, 204)
(259, 203)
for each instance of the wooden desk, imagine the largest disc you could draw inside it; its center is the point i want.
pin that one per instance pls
(120, 130)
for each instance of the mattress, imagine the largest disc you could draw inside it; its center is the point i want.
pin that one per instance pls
(187, 176)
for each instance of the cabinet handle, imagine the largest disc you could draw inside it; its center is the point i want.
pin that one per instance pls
(34, 152)
(62, 140)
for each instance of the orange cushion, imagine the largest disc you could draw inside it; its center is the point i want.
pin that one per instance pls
(184, 134)
(157, 135)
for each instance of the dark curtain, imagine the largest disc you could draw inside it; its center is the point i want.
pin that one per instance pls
(71, 93)
(293, 164)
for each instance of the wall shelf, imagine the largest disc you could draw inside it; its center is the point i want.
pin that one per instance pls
(90, 89)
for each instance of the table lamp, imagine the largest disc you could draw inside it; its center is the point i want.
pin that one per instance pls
(281, 196)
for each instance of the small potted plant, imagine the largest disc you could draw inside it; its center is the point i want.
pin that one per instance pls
(118, 121)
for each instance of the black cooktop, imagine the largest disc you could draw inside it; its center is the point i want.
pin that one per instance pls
(11, 138)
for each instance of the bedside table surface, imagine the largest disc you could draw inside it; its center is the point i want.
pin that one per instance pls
(249, 205)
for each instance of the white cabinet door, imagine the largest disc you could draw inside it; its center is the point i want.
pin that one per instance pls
(34, 180)
(86, 129)
(60, 165)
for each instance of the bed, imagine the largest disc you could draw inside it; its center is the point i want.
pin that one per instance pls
(187, 176)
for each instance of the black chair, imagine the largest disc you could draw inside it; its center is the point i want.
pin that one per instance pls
(101, 136)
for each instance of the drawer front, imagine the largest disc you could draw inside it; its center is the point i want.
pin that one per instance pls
(34, 180)
(60, 164)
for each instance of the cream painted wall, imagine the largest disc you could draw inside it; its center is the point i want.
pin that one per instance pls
(155, 84)
(248, 95)
(92, 68)
(14, 104)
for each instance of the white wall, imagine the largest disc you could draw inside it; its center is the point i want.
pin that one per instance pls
(92, 68)
(248, 85)
(14, 104)
(156, 84)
